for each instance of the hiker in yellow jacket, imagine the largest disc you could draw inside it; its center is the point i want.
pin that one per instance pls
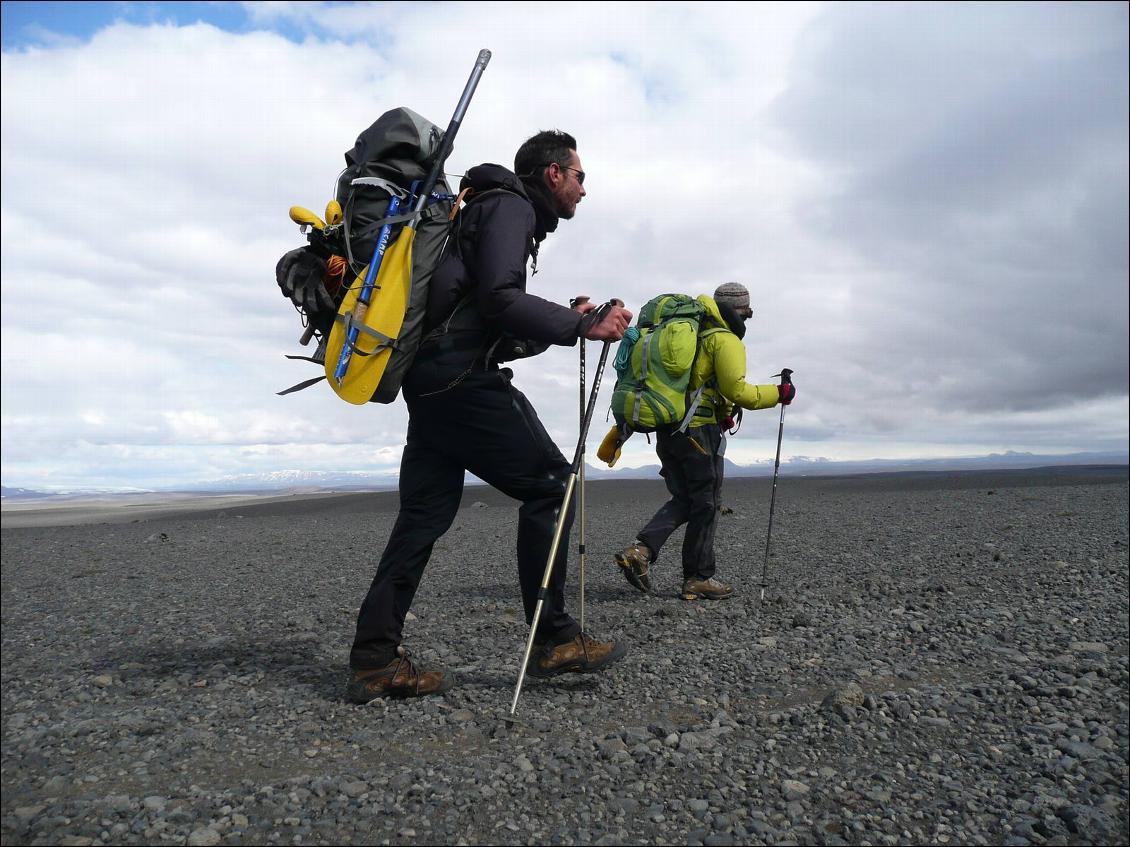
(693, 460)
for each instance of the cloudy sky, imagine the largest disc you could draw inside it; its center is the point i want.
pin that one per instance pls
(928, 203)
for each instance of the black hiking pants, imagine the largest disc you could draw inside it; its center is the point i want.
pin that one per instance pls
(485, 426)
(692, 468)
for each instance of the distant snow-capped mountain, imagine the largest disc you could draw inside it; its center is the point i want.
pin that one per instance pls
(299, 481)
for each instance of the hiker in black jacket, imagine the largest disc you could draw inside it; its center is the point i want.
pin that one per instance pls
(464, 415)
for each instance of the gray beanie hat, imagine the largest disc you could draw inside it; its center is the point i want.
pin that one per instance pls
(734, 295)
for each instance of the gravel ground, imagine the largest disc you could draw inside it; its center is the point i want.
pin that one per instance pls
(939, 659)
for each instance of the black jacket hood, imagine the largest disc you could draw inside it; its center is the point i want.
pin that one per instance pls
(488, 176)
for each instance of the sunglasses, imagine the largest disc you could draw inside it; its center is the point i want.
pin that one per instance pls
(578, 173)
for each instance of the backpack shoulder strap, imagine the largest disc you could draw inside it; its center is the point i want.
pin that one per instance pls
(470, 195)
(695, 399)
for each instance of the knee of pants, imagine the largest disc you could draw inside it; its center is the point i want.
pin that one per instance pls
(702, 505)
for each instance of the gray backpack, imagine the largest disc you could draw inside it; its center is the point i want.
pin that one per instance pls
(388, 160)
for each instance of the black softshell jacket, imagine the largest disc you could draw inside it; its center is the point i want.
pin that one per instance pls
(478, 291)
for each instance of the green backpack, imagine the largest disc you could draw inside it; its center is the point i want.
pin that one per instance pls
(654, 363)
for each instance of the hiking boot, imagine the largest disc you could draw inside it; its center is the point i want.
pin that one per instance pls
(711, 589)
(581, 655)
(399, 678)
(635, 562)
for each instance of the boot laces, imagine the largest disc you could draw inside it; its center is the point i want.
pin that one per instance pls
(411, 672)
(586, 640)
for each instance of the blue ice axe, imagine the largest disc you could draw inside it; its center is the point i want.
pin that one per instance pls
(367, 289)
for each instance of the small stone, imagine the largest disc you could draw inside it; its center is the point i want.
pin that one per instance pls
(118, 802)
(204, 837)
(794, 790)
(1088, 647)
(154, 803)
(845, 695)
(103, 680)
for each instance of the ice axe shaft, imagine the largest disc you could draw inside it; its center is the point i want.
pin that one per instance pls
(786, 378)
(570, 485)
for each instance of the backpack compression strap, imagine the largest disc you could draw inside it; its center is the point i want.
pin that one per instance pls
(383, 340)
(643, 374)
(300, 386)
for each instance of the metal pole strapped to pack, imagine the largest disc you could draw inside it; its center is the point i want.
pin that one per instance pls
(578, 456)
(786, 377)
(422, 194)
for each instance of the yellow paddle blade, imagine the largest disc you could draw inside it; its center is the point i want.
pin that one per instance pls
(302, 215)
(384, 314)
(333, 213)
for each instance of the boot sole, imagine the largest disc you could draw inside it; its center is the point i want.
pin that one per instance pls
(360, 695)
(630, 573)
(618, 652)
(691, 595)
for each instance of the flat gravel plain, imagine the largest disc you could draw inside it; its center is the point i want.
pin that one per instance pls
(939, 659)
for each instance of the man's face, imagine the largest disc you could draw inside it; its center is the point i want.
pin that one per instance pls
(565, 184)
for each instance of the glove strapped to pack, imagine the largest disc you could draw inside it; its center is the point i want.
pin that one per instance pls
(301, 275)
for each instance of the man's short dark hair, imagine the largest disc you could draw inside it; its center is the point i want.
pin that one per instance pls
(549, 145)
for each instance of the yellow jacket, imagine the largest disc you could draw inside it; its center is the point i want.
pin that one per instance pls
(721, 366)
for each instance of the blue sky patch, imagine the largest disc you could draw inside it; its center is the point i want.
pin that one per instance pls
(45, 24)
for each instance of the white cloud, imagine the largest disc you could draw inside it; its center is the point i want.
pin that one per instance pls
(931, 218)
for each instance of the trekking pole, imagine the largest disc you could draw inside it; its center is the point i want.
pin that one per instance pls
(786, 377)
(581, 476)
(569, 486)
